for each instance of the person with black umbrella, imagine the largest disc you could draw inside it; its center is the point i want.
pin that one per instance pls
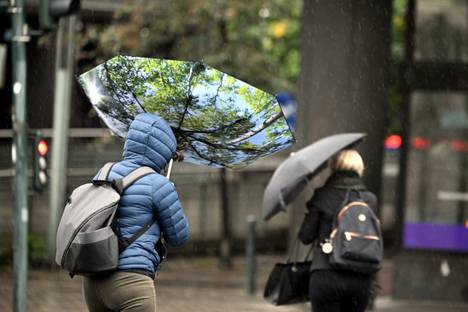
(333, 289)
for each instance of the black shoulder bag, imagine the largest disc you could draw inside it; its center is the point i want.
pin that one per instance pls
(288, 282)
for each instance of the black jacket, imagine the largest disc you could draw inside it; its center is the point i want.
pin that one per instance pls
(323, 207)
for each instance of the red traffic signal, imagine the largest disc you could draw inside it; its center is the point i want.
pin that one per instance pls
(42, 147)
(393, 142)
(40, 160)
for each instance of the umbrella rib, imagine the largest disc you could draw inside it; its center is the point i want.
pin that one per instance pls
(114, 88)
(203, 157)
(223, 127)
(263, 107)
(220, 146)
(215, 145)
(133, 94)
(111, 82)
(217, 91)
(253, 132)
(189, 96)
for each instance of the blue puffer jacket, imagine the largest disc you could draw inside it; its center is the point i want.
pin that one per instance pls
(150, 142)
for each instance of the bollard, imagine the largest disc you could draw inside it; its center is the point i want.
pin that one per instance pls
(251, 264)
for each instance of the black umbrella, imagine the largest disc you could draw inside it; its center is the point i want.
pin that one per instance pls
(218, 120)
(293, 174)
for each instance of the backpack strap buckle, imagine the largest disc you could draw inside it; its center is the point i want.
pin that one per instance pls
(117, 185)
(123, 244)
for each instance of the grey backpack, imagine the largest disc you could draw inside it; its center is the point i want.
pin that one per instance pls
(356, 241)
(86, 241)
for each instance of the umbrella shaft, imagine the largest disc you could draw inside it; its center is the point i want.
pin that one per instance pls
(169, 169)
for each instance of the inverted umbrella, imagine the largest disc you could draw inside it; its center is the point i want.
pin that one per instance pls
(218, 120)
(293, 174)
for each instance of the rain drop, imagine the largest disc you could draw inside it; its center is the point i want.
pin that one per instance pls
(17, 87)
(144, 32)
(445, 268)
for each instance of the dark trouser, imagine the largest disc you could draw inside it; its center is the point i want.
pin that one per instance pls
(338, 291)
(120, 291)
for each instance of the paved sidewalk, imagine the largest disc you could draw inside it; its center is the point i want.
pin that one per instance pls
(184, 285)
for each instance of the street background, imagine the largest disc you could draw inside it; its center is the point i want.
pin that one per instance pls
(394, 69)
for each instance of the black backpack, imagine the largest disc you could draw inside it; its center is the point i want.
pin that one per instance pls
(355, 242)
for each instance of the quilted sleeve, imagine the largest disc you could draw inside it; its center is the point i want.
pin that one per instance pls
(170, 215)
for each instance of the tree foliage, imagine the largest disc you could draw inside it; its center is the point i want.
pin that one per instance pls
(257, 41)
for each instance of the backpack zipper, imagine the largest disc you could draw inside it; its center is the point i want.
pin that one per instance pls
(79, 229)
(349, 236)
(345, 208)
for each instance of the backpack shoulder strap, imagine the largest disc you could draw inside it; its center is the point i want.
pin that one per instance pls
(125, 242)
(135, 175)
(121, 184)
(345, 199)
(104, 172)
(344, 204)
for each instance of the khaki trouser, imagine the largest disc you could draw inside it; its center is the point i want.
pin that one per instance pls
(120, 291)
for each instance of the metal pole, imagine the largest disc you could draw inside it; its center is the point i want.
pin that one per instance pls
(225, 261)
(169, 169)
(251, 264)
(44, 17)
(64, 64)
(3, 64)
(203, 203)
(20, 184)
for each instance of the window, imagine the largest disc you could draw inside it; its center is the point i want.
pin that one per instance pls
(437, 177)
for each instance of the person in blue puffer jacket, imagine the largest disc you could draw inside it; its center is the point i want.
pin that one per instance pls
(150, 142)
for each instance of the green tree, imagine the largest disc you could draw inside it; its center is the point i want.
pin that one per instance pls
(257, 41)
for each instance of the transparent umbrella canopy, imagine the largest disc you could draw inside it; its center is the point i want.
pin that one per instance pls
(218, 120)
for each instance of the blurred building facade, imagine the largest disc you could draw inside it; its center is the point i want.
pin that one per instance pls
(424, 190)
(432, 191)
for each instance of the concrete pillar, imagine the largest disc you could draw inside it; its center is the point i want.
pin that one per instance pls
(345, 48)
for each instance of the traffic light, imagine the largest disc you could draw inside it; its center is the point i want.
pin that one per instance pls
(41, 151)
(59, 8)
(44, 14)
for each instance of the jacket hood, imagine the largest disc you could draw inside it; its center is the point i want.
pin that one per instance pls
(149, 142)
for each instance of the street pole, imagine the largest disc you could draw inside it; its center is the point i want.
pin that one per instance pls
(250, 255)
(64, 64)
(225, 261)
(20, 184)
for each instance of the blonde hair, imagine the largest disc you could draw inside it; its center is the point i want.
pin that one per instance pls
(348, 160)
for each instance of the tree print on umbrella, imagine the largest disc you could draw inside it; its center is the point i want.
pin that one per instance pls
(218, 120)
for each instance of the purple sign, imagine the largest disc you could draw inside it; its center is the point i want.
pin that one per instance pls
(436, 236)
